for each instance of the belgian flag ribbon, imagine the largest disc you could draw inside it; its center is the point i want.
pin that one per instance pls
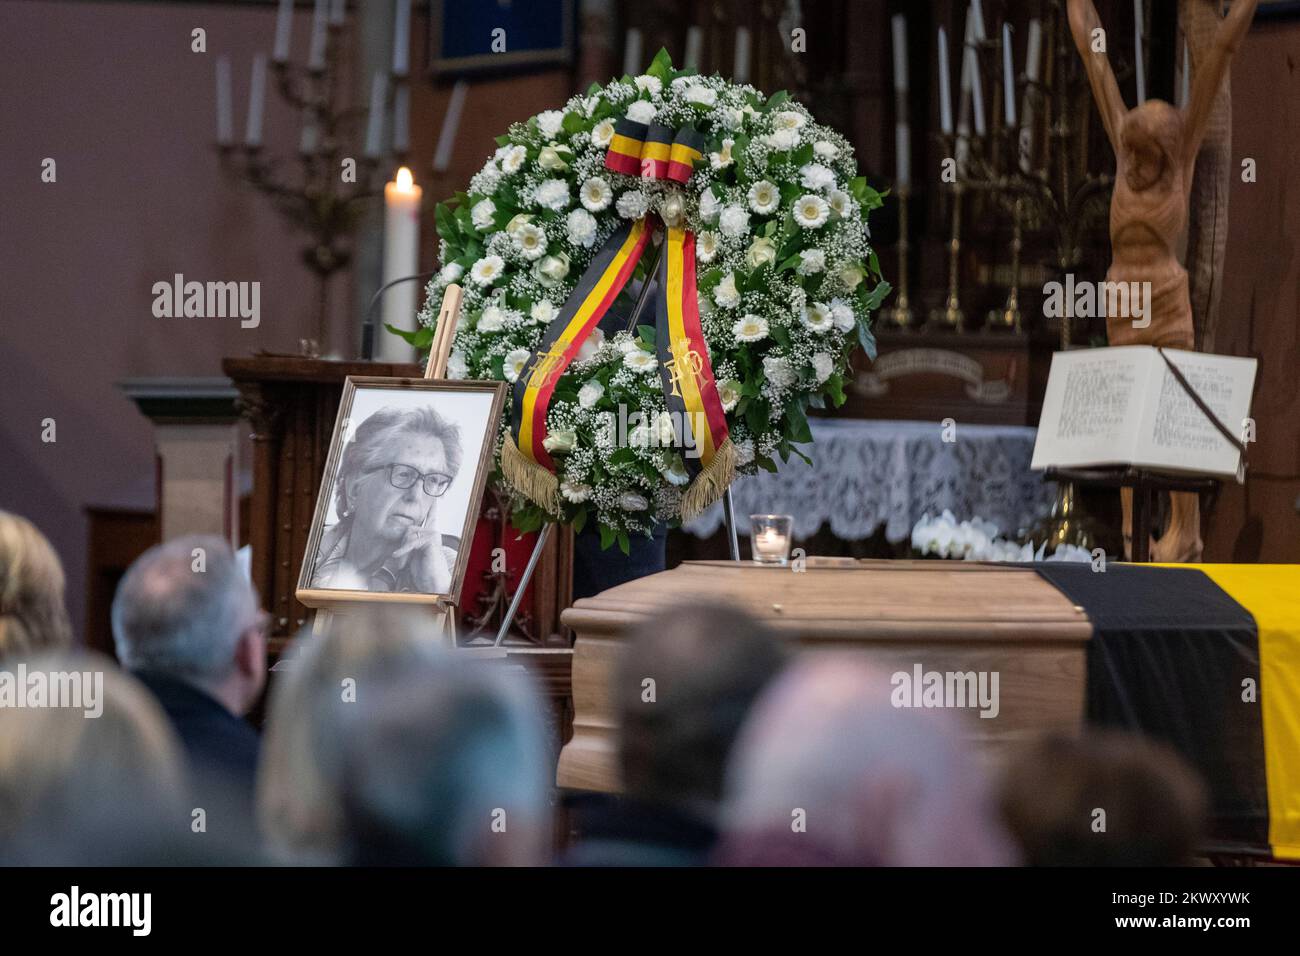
(651, 151)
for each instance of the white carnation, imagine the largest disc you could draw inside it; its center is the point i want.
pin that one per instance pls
(642, 111)
(590, 393)
(513, 159)
(816, 176)
(553, 194)
(542, 312)
(842, 315)
(481, 214)
(632, 204)
(811, 261)
(582, 228)
(649, 84)
(823, 364)
(550, 122)
(726, 294)
(734, 221)
(701, 94)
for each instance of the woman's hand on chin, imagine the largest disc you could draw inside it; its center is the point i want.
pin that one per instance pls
(430, 573)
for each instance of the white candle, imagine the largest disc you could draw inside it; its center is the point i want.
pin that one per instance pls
(401, 37)
(632, 53)
(1033, 69)
(971, 68)
(401, 257)
(964, 114)
(1034, 57)
(903, 155)
(225, 114)
(899, 24)
(1139, 53)
(977, 14)
(401, 118)
(945, 85)
(694, 46)
(316, 58)
(450, 123)
(740, 69)
(1185, 83)
(283, 29)
(375, 121)
(256, 101)
(1008, 79)
(338, 12)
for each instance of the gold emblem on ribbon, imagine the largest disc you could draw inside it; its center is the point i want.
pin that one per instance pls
(686, 361)
(545, 365)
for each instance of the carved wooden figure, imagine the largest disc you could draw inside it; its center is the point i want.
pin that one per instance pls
(1155, 154)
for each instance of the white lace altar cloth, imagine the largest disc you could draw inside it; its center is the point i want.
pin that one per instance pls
(866, 473)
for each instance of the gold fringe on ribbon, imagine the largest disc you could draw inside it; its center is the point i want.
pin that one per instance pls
(529, 478)
(710, 484)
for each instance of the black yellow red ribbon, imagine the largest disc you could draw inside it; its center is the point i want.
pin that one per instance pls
(651, 151)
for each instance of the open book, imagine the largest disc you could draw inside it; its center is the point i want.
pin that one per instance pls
(1123, 406)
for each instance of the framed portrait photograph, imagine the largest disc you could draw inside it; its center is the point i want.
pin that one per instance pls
(400, 495)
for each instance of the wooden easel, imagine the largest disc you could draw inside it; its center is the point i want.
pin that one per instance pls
(436, 369)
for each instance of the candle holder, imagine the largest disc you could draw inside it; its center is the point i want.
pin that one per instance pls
(1008, 319)
(315, 199)
(900, 316)
(951, 316)
(770, 539)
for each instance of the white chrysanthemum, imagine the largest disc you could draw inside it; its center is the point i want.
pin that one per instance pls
(575, 491)
(590, 393)
(582, 228)
(706, 246)
(631, 501)
(595, 194)
(513, 159)
(788, 120)
(777, 371)
(530, 240)
(602, 133)
(764, 197)
(543, 312)
(726, 294)
(513, 365)
(456, 365)
(840, 201)
(550, 122)
(553, 194)
(734, 221)
(824, 150)
(710, 208)
(482, 213)
(750, 328)
(493, 319)
(632, 204)
(642, 111)
(722, 158)
(811, 212)
(842, 315)
(782, 139)
(816, 176)
(823, 364)
(811, 262)
(591, 345)
(487, 270)
(649, 84)
(817, 318)
(639, 360)
(700, 94)
(729, 394)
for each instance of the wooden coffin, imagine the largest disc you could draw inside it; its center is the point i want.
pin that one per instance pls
(945, 616)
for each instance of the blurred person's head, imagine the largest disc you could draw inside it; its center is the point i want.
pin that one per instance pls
(1105, 799)
(827, 771)
(313, 707)
(184, 609)
(449, 767)
(90, 769)
(32, 614)
(683, 687)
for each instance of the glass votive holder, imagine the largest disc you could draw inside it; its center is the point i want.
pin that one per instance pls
(769, 540)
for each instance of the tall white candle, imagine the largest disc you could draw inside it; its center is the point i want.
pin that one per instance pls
(903, 155)
(632, 53)
(316, 57)
(283, 30)
(450, 124)
(1185, 84)
(902, 133)
(977, 14)
(401, 37)
(375, 120)
(740, 65)
(694, 47)
(256, 101)
(1033, 70)
(225, 114)
(945, 85)
(971, 68)
(899, 25)
(401, 118)
(964, 112)
(338, 12)
(1139, 54)
(401, 258)
(1008, 79)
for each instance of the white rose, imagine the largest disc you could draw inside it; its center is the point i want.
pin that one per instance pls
(561, 441)
(726, 294)
(590, 393)
(582, 228)
(595, 194)
(516, 223)
(642, 111)
(840, 202)
(762, 252)
(787, 120)
(551, 270)
(550, 158)
(493, 319)
(672, 208)
(550, 123)
(481, 214)
(782, 140)
(851, 275)
(734, 221)
(675, 472)
(709, 206)
(513, 364)
(823, 364)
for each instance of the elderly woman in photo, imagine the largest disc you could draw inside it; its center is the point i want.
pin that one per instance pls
(390, 477)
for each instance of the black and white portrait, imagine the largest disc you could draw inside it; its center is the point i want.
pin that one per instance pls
(401, 490)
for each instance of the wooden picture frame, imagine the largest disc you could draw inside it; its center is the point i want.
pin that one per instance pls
(478, 446)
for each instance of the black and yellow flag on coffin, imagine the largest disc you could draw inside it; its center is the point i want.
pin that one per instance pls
(1205, 658)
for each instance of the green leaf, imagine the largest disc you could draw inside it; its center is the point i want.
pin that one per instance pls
(421, 338)
(661, 66)
(573, 123)
(579, 520)
(797, 423)
(877, 296)
(767, 464)
(779, 98)
(445, 220)
(866, 339)
(624, 543)
(607, 536)
(648, 335)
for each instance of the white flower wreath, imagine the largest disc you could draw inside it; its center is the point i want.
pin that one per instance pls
(786, 282)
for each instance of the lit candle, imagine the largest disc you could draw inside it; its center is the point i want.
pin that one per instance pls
(256, 101)
(401, 37)
(283, 29)
(1008, 79)
(632, 53)
(316, 58)
(740, 68)
(945, 85)
(770, 538)
(401, 256)
(1139, 53)
(450, 123)
(401, 118)
(694, 46)
(1033, 70)
(375, 121)
(225, 115)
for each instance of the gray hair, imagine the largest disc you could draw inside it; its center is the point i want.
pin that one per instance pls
(181, 608)
(369, 446)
